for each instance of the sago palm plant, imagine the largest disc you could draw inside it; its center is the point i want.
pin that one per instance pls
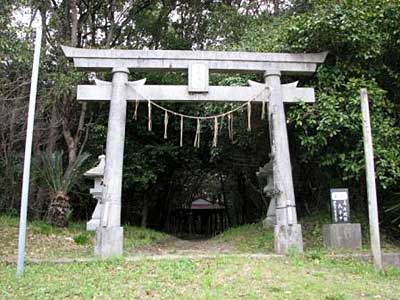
(50, 171)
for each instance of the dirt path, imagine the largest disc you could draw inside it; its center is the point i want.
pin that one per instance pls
(178, 246)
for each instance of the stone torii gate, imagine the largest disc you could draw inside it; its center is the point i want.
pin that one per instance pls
(109, 235)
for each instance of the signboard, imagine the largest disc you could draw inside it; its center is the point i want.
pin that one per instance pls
(198, 78)
(340, 206)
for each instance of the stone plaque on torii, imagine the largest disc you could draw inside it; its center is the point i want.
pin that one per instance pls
(109, 235)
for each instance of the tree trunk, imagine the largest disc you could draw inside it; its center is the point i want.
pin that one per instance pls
(59, 209)
(74, 23)
(73, 141)
(111, 18)
(277, 7)
(145, 212)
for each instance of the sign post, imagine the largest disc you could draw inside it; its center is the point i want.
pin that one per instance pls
(28, 153)
(371, 187)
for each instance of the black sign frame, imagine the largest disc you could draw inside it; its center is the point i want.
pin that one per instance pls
(340, 207)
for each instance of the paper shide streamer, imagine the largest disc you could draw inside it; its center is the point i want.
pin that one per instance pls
(149, 125)
(215, 139)
(166, 125)
(198, 132)
(181, 135)
(230, 126)
(217, 119)
(135, 114)
(248, 116)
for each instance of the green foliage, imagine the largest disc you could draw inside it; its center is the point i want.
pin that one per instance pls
(50, 169)
(362, 38)
(82, 239)
(331, 131)
(146, 163)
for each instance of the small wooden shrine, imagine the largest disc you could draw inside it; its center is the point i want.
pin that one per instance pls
(202, 218)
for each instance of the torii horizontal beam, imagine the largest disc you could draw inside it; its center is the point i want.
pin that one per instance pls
(178, 60)
(179, 93)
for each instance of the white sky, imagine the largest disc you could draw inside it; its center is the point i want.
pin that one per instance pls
(22, 17)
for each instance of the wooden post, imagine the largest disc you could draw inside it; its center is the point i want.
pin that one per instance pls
(371, 187)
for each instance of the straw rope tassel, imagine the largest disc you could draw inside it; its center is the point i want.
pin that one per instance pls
(230, 126)
(263, 109)
(166, 125)
(248, 116)
(181, 136)
(149, 122)
(215, 139)
(197, 137)
(221, 124)
(264, 104)
(136, 110)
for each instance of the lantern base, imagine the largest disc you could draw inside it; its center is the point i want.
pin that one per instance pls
(345, 236)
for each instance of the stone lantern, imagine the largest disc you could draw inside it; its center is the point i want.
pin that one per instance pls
(97, 174)
(265, 177)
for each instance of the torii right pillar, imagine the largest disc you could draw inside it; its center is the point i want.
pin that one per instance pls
(287, 232)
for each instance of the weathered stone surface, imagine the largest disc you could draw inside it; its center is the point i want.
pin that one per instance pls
(287, 63)
(94, 222)
(346, 236)
(281, 165)
(180, 93)
(109, 236)
(287, 237)
(388, 259)
(391, 259)
(109, 242)
(266, 179)
(115, 151)
(270, 220)
(97, 192)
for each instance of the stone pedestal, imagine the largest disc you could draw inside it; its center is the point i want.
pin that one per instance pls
(345, 236)
(288, 237)
(109, 242)
(270, 220)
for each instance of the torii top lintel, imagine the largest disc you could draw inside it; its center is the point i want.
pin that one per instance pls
(225, 61)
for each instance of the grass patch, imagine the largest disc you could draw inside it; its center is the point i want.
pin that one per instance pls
(8, 221)
(252, 238)
(82, 239)
(217, 278)
(48, 242)
(139, 237)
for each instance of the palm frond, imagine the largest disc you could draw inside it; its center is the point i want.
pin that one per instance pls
(50, 170)
(73, 176)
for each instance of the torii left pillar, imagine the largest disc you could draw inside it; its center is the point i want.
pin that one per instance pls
(287, 232)
(109, 235)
